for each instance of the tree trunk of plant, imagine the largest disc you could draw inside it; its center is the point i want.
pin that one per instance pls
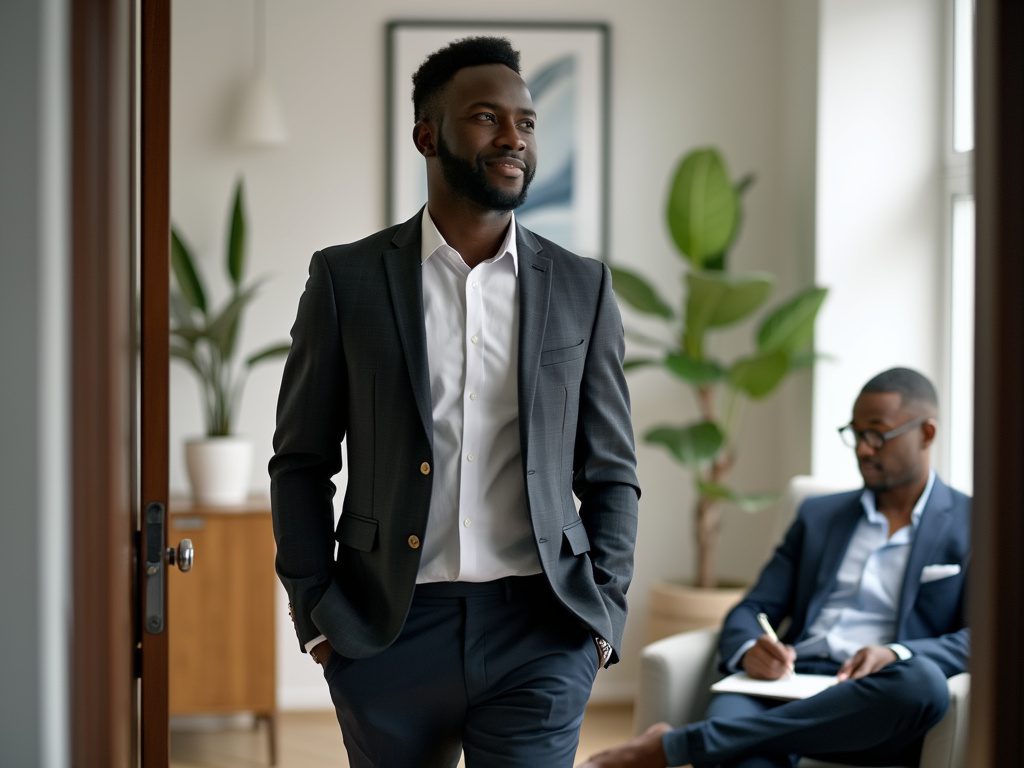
(707, 521)
(707, 536)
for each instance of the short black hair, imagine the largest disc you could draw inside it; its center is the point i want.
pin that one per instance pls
(440, 67)
(912, 386)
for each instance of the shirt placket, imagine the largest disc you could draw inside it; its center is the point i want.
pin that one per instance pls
(470, 490)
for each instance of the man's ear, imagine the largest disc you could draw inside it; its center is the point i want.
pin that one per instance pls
(928, 428)
(423, 138)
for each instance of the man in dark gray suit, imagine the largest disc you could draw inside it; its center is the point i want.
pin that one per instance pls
(475, 370)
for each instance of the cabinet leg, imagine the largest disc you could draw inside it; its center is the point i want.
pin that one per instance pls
(271, 719)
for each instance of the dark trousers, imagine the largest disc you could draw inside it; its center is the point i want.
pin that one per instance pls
(498, 670)
(880, 719)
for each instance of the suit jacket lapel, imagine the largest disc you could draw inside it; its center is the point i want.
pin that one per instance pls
(534, 295)
(931, 531)
(405, 282)
(840, 531)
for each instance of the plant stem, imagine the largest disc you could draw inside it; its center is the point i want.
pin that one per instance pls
(706, 518)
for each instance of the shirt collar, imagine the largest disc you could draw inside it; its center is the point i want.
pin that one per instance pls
(867, 500)
(431, 241)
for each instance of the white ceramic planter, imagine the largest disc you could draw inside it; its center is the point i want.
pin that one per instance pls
(219, 469)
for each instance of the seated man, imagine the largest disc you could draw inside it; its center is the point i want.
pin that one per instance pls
(872, 583)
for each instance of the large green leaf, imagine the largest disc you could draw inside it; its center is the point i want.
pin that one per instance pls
(759, 374)
(632, 364)
(236, 238)
(696, 372)
(717, 299)
(790, 327)
(268, 353)
(183, 267)
(702, 206)
(639, 294)
(223, 328)
(692, 444)
(748, 502)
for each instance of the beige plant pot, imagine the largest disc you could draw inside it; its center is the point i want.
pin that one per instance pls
(219, 469)
(675, 607)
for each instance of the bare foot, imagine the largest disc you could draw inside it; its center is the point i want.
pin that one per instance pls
(643, 751)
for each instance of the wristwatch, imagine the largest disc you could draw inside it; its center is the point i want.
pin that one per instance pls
(604, 648)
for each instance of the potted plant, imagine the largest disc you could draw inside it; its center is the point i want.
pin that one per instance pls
(704, 215)
(206, 340)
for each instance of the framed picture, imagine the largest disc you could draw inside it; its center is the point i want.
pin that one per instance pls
(566, 68)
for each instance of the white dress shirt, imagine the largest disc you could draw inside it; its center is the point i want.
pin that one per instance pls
(478, 528)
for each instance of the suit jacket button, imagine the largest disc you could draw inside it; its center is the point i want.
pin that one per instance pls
(414, 542)
(424, 468)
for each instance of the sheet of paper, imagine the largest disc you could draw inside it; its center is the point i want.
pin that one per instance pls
(795, 686)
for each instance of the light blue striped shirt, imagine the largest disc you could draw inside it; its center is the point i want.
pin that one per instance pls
(861, 610)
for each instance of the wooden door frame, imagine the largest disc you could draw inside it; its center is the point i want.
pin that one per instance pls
(112, 475)
(155, 238)
(102, 507)
(997, 571)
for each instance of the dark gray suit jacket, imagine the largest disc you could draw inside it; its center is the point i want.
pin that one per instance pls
(358, 370)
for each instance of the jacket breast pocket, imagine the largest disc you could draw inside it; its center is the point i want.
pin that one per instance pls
(576, 534)
(562, 351)
(357, 532)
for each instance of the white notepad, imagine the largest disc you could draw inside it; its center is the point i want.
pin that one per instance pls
(795, 686)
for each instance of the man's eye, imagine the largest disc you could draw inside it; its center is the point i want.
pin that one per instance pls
(486, 117)
(528, 125)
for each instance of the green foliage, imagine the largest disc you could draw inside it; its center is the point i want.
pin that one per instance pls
(206, 340)
(704, 214)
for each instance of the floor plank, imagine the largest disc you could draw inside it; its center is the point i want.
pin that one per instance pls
(313, 740)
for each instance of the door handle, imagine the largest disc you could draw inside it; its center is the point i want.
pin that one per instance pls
(158, 557)
(182, 556)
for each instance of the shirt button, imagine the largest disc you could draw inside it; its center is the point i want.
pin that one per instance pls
(414, 542)
(473, 395)
(476, 284)
(467, 522)
(424, 468)
(474, 339)
(470, 457)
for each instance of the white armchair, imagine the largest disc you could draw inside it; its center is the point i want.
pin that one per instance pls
(675, 674)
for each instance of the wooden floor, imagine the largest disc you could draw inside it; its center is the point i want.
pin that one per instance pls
(313, 740)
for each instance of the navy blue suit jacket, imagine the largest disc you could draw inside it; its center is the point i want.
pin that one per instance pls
(796, 582)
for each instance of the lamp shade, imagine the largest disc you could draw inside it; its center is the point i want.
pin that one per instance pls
(260, 120)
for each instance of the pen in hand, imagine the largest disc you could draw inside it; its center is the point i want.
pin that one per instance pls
(762, 619)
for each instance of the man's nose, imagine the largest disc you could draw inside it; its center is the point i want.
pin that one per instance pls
(509, 137)
(863, 450)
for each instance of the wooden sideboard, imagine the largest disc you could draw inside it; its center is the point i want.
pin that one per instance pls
(221, 614)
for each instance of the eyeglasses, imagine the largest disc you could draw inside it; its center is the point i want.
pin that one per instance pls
(872, 438)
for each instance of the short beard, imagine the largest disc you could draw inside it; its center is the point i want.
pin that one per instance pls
(470, 181)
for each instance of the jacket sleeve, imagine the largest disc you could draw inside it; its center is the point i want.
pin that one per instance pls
(307, 449)
(773, 594)
(604, 462)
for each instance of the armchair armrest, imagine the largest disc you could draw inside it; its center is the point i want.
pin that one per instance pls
(675, 675)
(945, 745)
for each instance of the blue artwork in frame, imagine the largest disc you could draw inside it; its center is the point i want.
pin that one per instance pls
(566, 68)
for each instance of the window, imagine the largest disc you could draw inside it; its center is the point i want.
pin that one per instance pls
(959, 396)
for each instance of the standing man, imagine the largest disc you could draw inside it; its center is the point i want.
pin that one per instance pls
(475, 371)
(873, 583)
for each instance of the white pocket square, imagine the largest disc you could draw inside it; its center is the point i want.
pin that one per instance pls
(936, 572)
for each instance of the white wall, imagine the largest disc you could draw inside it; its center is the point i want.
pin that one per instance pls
(741, 74)
(880, 243)
(34, 466)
